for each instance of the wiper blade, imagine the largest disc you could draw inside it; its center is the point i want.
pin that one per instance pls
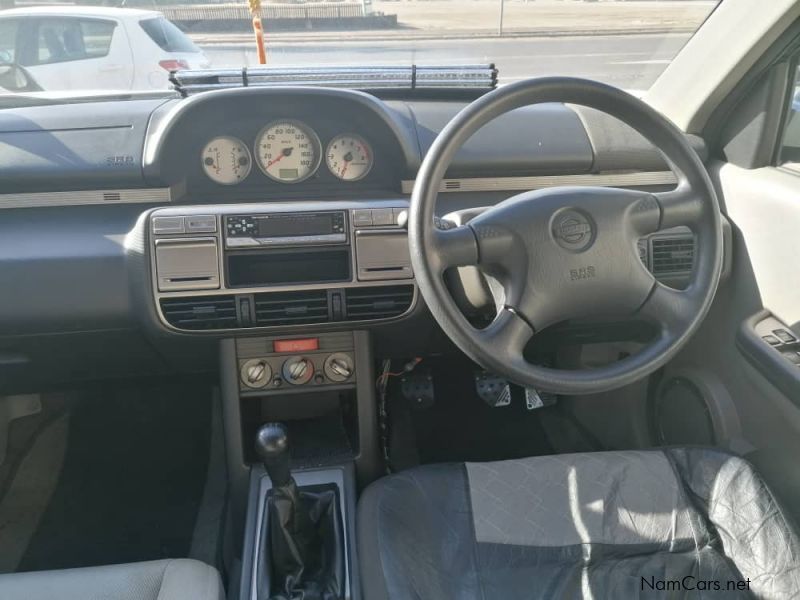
(412, 77)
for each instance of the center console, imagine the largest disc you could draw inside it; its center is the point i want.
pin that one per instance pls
(292, 290)
(237, 267)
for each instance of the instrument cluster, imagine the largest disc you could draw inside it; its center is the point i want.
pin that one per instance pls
(287, 151)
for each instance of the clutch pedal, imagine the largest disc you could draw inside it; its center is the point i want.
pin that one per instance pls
(417, 388)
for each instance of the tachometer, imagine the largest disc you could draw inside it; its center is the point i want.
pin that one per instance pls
(288, 151)
(349, 157)
(226, 160)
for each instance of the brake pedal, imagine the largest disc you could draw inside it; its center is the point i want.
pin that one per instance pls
(493, 390)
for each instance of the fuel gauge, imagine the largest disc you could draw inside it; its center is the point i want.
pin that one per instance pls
(226, 160)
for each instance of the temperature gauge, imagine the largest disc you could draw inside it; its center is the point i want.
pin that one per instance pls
(226, 160)
(349, 157)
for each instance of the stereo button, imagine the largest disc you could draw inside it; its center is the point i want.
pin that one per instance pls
(201, 224)
(382, 216)
(362, 218)
(164, 225)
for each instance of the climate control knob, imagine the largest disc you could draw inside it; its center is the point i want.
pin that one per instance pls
(338, 367)
(255, 373)
(298, 370)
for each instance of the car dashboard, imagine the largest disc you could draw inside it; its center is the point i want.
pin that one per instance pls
(264, 211)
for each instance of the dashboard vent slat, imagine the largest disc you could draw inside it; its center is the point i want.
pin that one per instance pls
(291, 308)
(673, 255)
(203, 313)
(378, 302)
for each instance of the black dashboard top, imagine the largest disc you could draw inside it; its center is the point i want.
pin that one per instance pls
(157, 142)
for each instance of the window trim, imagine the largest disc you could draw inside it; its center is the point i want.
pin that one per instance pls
(34, 36)
(19, 21)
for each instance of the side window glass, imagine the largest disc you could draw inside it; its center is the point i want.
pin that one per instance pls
(8, 40)
(62, 40)
(97, 37)
(790, 145)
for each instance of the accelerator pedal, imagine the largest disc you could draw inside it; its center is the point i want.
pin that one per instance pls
(535, 399)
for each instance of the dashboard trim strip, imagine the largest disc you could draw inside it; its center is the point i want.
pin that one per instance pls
(86, 197)
(513, 184)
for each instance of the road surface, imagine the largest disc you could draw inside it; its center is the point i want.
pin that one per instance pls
(631, 62)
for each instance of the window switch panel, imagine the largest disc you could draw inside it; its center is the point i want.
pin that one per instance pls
(784, 336)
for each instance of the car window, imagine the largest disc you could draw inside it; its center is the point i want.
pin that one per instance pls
(790, 147)
(63, 39)
(167, 36)
(8, 40)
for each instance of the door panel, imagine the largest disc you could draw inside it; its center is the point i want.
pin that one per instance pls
(763, 206)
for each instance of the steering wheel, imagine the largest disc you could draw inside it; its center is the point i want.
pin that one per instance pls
(568, 252)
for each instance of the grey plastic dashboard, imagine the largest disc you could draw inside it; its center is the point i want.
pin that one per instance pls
(75, 178)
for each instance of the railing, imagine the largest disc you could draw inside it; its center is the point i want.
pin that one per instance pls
(412, 77)
(239, 12)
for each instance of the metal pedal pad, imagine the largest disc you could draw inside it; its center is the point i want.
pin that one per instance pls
(417, 388)
(493, 390)
(535, 399)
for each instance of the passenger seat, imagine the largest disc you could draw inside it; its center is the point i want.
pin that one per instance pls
(179, 579)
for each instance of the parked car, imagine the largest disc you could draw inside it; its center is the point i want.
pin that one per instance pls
(64, 47)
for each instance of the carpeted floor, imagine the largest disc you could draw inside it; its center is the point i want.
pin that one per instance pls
(459, 426)
(122, 478)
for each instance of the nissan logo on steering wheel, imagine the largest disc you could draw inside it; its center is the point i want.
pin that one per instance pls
(573, 230)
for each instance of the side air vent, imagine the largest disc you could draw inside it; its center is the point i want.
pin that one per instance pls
(378, 302)
(198, 314)
(291, 308)
(672, 255)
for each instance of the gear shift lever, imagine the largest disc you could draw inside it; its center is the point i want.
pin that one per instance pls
(303, 550)
(272, 447)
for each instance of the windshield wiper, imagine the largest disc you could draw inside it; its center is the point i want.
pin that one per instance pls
(412, 77)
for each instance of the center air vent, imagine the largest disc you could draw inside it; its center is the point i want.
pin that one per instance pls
(672, 255)
(196, 314)
(378, 302)
(291, 308)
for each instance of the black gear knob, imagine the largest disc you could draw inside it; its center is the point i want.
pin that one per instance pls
(272, 447)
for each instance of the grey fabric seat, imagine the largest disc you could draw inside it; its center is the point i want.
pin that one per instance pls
(179, 579)
(639, 524)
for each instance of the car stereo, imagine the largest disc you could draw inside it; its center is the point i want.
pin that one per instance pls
(285, 229)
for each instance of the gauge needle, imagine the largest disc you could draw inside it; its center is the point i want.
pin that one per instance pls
(347, 158)
(284, 152)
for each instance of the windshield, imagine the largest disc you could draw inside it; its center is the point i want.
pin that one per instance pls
(91, 48)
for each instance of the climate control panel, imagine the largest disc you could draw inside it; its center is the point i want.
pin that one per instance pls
(287, 364)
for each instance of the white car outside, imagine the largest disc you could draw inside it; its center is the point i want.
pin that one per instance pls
(80, 47)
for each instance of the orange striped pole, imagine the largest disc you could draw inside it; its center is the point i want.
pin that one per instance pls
(258, 29)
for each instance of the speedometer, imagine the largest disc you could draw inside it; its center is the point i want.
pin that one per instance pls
(349, 157)
(288, 151)
(226, 160)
